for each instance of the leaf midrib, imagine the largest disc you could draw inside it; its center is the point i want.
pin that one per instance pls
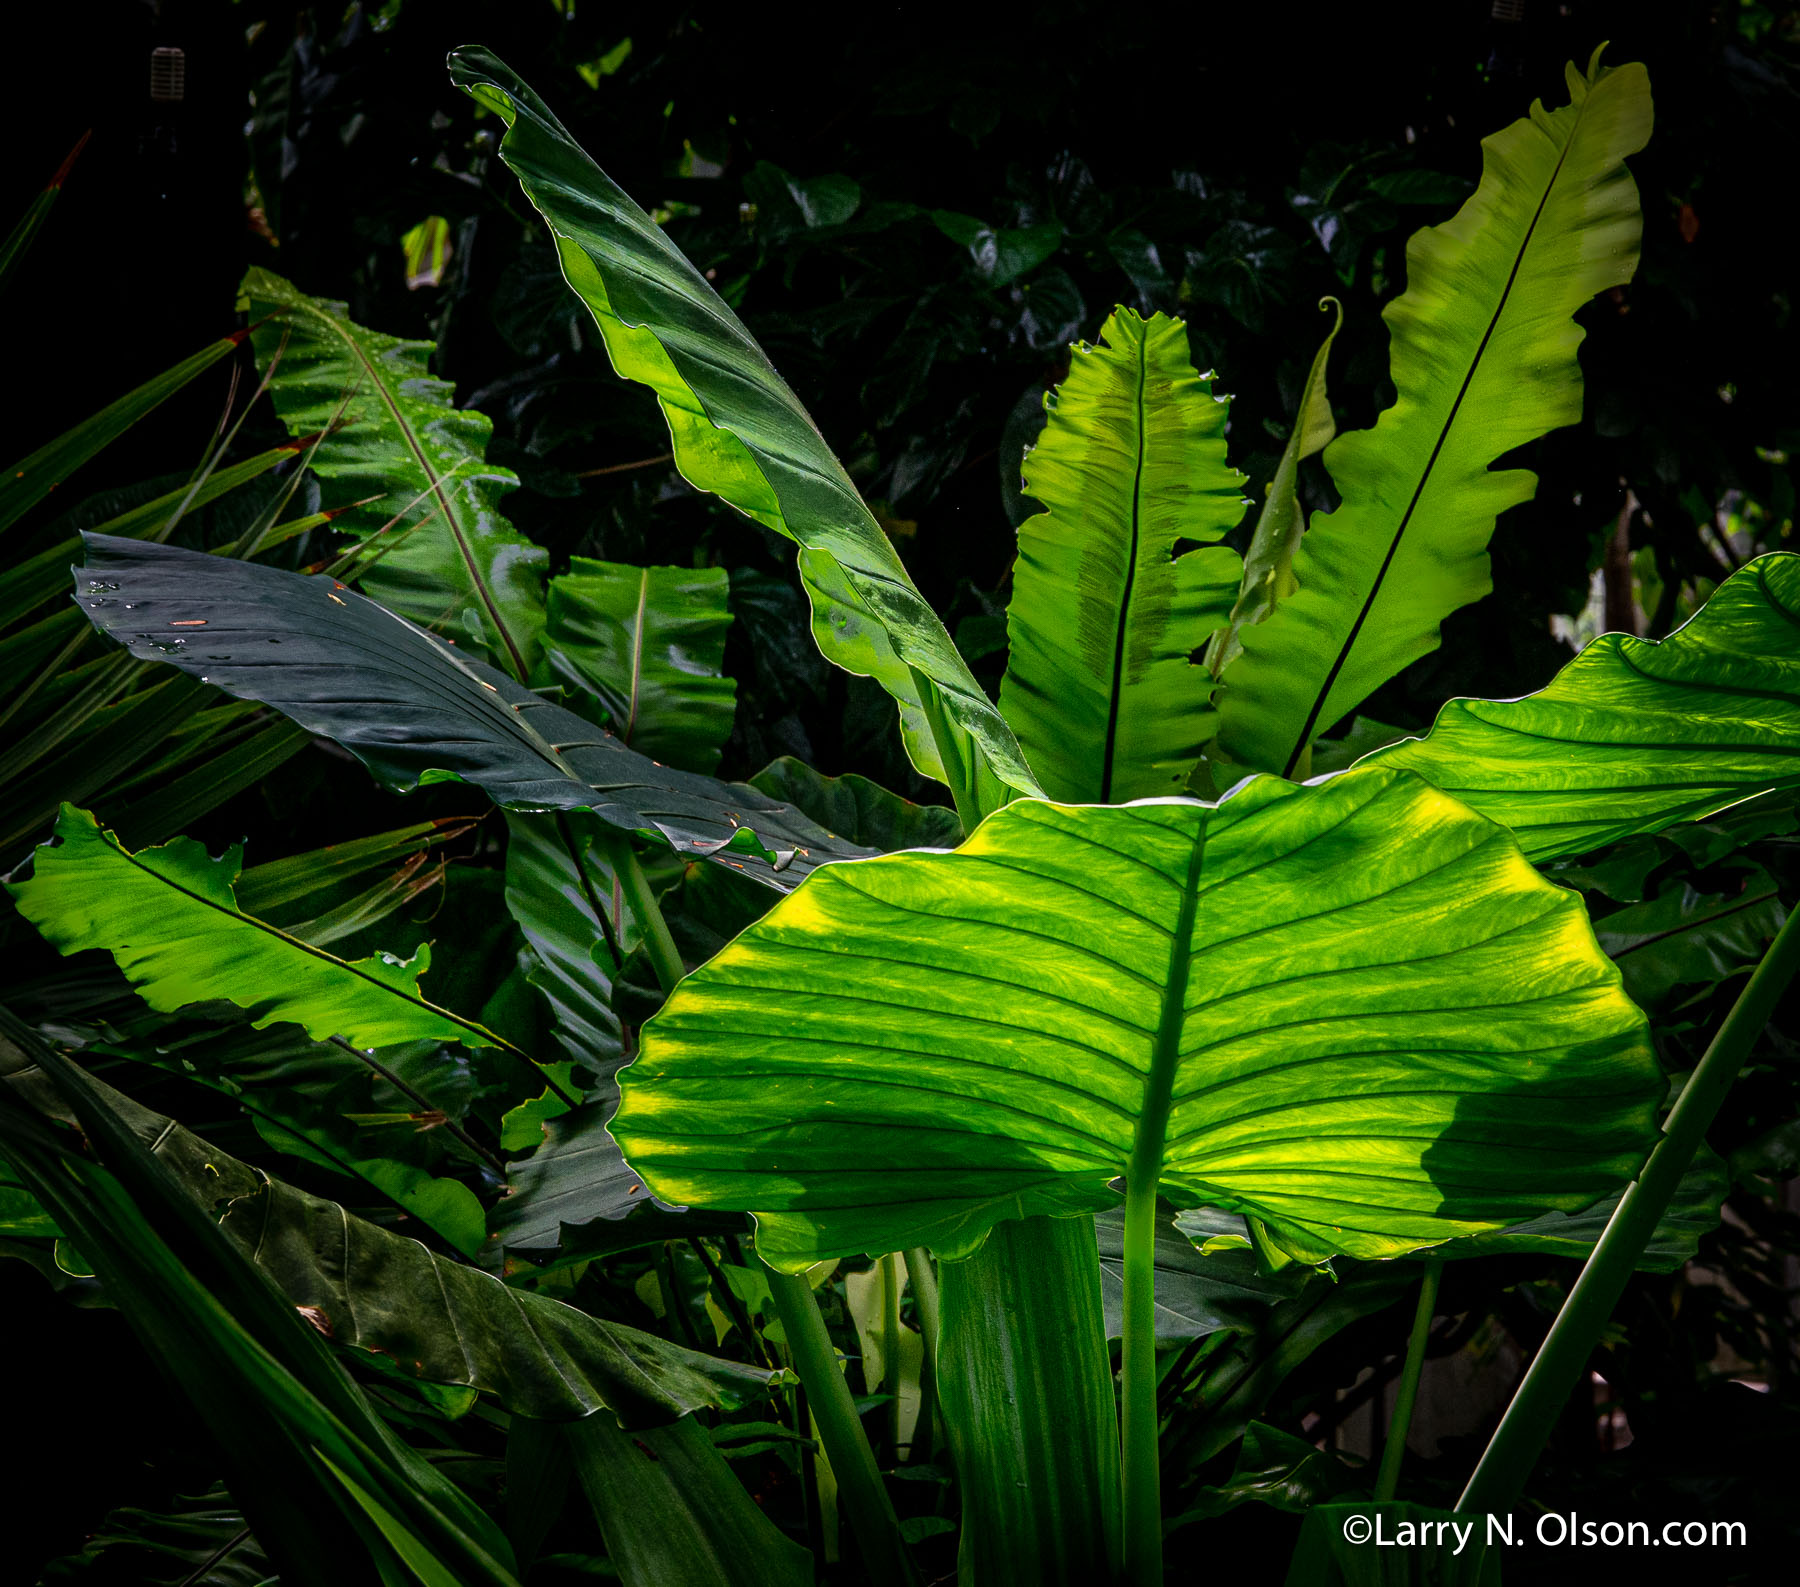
(1131, 562)
(487, 1038)
(1349, 644)
(435, 480)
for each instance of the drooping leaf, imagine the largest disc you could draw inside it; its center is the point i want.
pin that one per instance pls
(31, 479)
(1110, 601)
(1351, 1010)
(1269, 562)
(738, 431)
(205, 1543)
(575, 1177)
(858, 809)
(1276, 1469)
(1685, 937)
(413, 710)
(1483, 359)
(286, 1417)
(1241, 1377)
(649, 643)
(366, 1286)
(1635, 734)
(172, 923)
(453, 563)
(1693, 1214)
(24, 233)
(1196, 1293)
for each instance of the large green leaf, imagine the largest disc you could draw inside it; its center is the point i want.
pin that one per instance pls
(1483, 360)
(365, 1286)
(738, 431)
(414, 710)
(453, 561)
(1350, 1009)
(861, 810)
(171, 921)
(649, 643)
(1635, 734)
(1685, 937)
(1121, 579)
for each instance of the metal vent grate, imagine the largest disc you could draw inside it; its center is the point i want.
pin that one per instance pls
(168, 75)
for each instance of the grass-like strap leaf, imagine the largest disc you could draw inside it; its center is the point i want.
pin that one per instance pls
(1483, 360)
(649, 643)
(1634, 735)
(31, 479)
(1121, 579)
(398, 446)
(415, 710)
(1393, 1031)
(739, 432)
(171, 921)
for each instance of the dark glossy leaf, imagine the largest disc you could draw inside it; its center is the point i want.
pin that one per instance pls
(1371, 1024)
(1685, 937)
(365, 1286)
(205, 1543)
(414, 710)
(1273, 1468)
(858, 809)
(1196, 1293)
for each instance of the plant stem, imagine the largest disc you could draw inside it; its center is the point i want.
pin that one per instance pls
(925, 1302)
(1514, 1448)
(865, 1498)
(1395, 1453)
(665, 959)
(890, 1355)
(1140, 1474)
(425, 1102)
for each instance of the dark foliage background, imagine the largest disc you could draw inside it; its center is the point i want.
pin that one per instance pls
(916, 210)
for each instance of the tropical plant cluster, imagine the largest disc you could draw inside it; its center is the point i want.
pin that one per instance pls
(609, 1137)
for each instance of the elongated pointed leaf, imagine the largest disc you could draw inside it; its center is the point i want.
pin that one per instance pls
(1101, 685)
(1269, 560)
(1355, 1010)
(414, 710)
(650, 644)
(170, 920)
(31, 479)
(395, 436)
(1634, 735)
(1483, 359)
(738, 431)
